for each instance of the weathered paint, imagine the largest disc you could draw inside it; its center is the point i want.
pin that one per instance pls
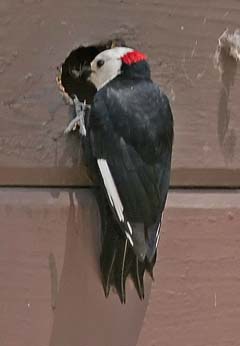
(50, 292)
(180, 39)
(50, 244)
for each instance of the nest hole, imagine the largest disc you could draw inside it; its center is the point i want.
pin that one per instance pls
(69, 77)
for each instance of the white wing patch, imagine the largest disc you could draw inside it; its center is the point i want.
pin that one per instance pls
(158, 234)
(158, 231)
(129, 227)
(129, 238)
(113, 195)
(111, 188)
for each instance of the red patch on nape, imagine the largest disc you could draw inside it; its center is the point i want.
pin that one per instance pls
(133, 57)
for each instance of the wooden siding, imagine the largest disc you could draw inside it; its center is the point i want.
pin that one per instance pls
(50, 291)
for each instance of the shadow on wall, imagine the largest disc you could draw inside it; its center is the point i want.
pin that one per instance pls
(83, 316)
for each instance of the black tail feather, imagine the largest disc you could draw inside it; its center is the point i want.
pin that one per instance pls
(137, 273)
(118, 261)
(107, 272)
(150, 264)
(107, 260)
(120, 272)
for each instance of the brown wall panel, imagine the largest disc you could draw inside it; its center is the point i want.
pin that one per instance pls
(180, 39)
(195, 297)
(50, 292)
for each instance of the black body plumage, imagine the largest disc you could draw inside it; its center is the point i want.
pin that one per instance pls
(131, 128)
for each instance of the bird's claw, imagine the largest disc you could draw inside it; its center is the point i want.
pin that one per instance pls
(79, 119)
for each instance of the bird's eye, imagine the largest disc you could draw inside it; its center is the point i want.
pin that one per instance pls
(100, 63)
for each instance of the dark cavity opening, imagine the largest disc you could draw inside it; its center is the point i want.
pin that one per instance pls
(69, 79)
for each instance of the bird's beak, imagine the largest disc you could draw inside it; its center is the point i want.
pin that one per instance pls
(86, 72)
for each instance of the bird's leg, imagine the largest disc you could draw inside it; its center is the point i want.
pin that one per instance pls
(78, 120)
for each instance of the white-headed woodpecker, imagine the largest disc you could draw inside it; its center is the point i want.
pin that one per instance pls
(129, 138)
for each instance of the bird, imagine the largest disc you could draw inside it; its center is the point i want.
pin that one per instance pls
(128, 144)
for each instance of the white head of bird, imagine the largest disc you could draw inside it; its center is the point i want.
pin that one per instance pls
(108, 64)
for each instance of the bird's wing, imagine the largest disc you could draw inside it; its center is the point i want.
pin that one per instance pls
(132, 142)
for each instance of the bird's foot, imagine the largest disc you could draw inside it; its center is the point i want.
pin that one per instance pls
(79, 119)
